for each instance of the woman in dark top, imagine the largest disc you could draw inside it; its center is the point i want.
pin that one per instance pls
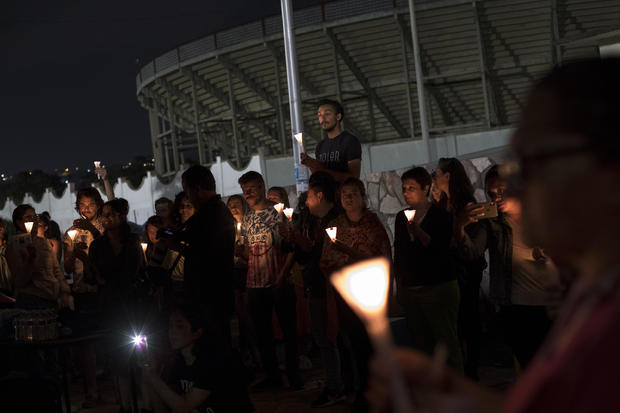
(452, 180)
(118, 262)
(426, 280)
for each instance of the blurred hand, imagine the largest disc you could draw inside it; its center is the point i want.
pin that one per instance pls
(102, 172)
(539, 255)
(468, 215)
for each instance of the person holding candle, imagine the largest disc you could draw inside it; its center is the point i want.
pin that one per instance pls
(118, 263)
(360, 235)
(424, 270)
(265, 262)
(39, 282)
(458, 200)
(340, 153)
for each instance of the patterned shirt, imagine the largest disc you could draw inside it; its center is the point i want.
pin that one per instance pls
(264, 258)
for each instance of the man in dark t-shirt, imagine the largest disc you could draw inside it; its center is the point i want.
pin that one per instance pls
(340, 153)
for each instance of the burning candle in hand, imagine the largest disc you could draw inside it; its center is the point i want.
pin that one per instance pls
(410, 214)
(300, 141)
(144, 246)
(288, 212)
(332, 233)
(28, 226)
(72, 233)
(97, 166)
(364, 287)
(279, 207)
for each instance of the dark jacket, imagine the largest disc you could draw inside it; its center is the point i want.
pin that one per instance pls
(495, 235)
(209, 257)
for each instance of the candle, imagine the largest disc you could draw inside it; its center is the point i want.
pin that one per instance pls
(288, 212)
(97, 164)
(299, 137)
(410, 214)
(364, 286)
(144, 246)
(332, 233)
(28, 226)
(279, 207)
(71, 233)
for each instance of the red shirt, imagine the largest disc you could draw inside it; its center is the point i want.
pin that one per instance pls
(578, 368)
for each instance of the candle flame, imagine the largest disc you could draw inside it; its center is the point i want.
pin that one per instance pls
(72, 233)
(332, 233)
(144, 245)
(299, 137)
(97, 164)
(28, 226)
(238, 226)
(289, 213)
(279, 207)
(364, 286)
(410, 214)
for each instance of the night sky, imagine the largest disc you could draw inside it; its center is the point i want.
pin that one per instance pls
(68, 68)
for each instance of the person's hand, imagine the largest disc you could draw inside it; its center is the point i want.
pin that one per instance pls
(85, 224)
(313, 164)
(469, 214)
(102, 172)
(304, 158)
(539, 255)
(239, 250)
(284, 231)
(80, 254)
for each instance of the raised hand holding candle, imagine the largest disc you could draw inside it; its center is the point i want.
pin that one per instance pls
(97, 166)
(332, 233)
(288, 212)
(279, 207)
(364, 287)
(410, 214)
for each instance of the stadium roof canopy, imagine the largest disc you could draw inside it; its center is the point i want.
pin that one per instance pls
(226, 94)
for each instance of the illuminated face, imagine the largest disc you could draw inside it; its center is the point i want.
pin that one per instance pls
(253, 192)
(328, 119)
(87, 207)
(110, 219)
(180, 332)
(313, 200)
(496, 188)
(435, 191)
(414, 193)
(236, 208)
(28, 216)
(351, 199)
(186, 210)
(151, 232)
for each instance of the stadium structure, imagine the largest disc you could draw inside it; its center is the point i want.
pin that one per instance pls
(225, 95)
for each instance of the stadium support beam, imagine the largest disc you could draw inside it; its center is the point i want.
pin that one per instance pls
(403, 43)
(202, 159)
(361, 78)
(281, 128)
(233, 68)
(483, 64)
(303, 80)
(417, 60)
(233, 117)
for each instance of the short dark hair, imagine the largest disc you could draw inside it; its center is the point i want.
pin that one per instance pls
(251, 176)
(164, 200)
(586, 97)
(420, 175)
(355, 183)
(322, 181)
(198, 176)
(89, 192)
(334, 104)
(282, 194)
(492, 173)
(156, 221)
(119, 205)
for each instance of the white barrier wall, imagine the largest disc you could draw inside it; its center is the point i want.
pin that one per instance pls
(382, 165)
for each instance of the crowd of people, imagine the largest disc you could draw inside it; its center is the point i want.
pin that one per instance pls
(204, 261)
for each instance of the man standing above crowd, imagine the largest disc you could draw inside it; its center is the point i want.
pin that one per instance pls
(265, 260)
(340, 153)
(209, 252)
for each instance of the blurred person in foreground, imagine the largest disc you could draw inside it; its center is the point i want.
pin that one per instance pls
(209, 250)
(566, 141)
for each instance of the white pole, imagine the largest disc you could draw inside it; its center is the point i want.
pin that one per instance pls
(301, 172)
(419, 81)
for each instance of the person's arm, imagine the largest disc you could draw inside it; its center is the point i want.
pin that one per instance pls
(109, 191)
(179, 403)
(285, 272)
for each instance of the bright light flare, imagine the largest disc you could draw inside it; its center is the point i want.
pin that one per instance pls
(288, 212)
(299, 137)
(279, 207)
(410, 214)
(364, 286)
(144, 246)
(332, 231)
(97, 164)
(28, 226)
(139, 341)
(238, 226)
(72, 233)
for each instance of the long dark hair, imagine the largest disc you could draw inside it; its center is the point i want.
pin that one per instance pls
(92, 193)
(461, 191)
